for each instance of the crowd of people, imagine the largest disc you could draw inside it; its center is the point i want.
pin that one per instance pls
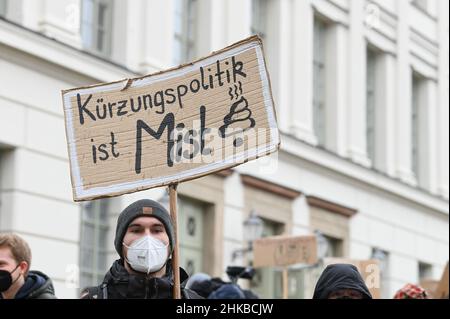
(144, 241)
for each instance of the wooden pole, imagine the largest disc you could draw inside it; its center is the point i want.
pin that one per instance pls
(175, 254)
(285, 283)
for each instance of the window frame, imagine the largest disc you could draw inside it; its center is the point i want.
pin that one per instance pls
(187, 37)
(100, 223)
(94, 28)
(371, 103)
(425, 270)
(259, 18)
(415, 124)
(319, 80)
(3, 8)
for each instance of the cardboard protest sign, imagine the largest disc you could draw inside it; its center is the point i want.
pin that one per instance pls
(369, 270)
(284, 251)
(430, 286)
(171, 126)
(441, 291)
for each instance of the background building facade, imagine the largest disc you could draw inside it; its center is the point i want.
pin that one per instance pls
(361, 90)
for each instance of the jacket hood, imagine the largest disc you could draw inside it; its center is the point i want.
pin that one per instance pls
(337, 277)
(36, 284)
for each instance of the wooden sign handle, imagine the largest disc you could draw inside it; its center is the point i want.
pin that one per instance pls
(175, 254)
(285, 283)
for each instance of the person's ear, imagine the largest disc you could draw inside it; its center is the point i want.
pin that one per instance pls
(124, 250)
(23, 266)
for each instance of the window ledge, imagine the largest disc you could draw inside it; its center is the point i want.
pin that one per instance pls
(379, 180)
(59, 53)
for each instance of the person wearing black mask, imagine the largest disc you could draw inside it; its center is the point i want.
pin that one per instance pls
(341, 281)
(16, 280)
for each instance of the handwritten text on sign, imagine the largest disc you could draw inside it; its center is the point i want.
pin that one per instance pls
(171, 126)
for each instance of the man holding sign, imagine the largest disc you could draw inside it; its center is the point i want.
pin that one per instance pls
(144, 241)
(169, 127)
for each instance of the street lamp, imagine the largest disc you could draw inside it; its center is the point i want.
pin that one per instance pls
(381, 256)
(253, 228)
(322, 245)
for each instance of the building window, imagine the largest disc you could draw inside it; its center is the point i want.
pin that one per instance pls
(425, 271)
(259, 17)
(335, 247)
(417, 108)
(2, 8)
(370, 105)
(319, 78)
(96, 26)
(93, 242)
(186, 13)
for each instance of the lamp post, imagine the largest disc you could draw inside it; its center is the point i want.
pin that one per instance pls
(322, 246)
(381, 256)
(253, 228)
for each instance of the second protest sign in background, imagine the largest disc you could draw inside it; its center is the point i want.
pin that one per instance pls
(172, 126)
(284, 251)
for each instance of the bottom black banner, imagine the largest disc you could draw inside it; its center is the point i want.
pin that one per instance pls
(261, 308)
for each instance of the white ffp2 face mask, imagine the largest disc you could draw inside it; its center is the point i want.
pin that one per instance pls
(147, 254)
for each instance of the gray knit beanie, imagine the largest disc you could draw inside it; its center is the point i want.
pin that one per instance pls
(143, 207)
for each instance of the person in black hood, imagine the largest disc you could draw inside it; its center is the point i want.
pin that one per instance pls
(341, 281)
(144, 241)
(16, 281)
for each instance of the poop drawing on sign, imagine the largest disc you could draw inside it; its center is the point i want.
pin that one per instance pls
(239, 118)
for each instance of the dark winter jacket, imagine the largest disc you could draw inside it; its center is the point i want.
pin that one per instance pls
(206, 287)
(227, 291)
(209, 289)
(340, 276)
(37, 286)
(119, 284)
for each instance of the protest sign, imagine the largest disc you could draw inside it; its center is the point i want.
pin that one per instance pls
(172, 126)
